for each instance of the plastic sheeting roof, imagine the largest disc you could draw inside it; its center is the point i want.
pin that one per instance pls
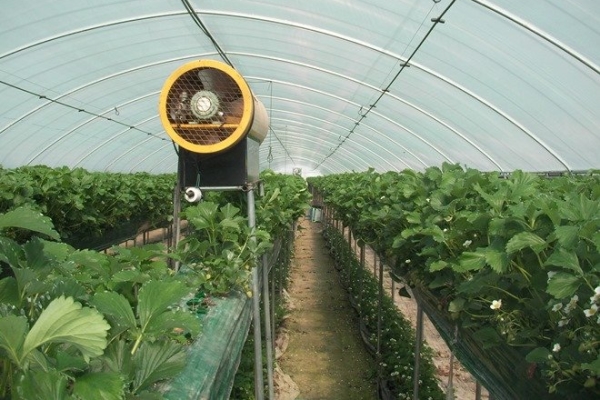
(348, 84)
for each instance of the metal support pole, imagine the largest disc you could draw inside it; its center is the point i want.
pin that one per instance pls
(418, 343)
(258, 366)
(349, 239)
(362, 273)
(374, 263)
(176, 220)
(477, 390)
(379, 315)
(268, 331)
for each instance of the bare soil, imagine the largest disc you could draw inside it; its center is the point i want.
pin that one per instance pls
(325, 355)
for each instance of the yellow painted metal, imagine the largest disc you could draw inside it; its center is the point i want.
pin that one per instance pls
(209, 136)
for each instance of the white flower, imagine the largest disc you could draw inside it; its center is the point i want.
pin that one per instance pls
(557, 306)
(467, 243)
(563, 322)
(574, 299)
(572, 303)
(428, 200)
(496, 304)
(556, 348)
(596, 297)
(591, 311)
(407, 261)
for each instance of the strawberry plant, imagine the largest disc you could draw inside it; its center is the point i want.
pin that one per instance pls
(85, 205)
(513, 259)
(77, 323)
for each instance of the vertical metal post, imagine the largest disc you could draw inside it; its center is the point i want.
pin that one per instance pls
(418, 343)
(350, 239)
(362, 273)
(379, 314)
(374, 263)
(477, 390)
(258, 366)
(268, 331)
(176, 220)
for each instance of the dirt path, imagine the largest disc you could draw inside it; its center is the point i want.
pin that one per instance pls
(325, 355)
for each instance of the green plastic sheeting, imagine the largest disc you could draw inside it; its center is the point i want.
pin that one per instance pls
(214, 357)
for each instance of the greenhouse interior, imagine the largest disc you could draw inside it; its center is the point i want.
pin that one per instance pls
(324, 199)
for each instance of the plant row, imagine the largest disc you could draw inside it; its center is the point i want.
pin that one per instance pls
(396, 337)
(84, 204)
(82, 324)
(512, 259)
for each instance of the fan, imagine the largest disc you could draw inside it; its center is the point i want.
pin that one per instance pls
(207, 107)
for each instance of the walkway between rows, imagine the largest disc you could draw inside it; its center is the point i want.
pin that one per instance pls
(325, 356)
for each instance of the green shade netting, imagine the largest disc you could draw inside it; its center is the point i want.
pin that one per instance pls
(214, 357)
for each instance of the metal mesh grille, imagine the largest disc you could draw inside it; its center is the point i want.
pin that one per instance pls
(205, 106)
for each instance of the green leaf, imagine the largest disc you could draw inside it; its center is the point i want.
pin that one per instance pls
(594, 366)
(156, 362)
(231, 224)
(10, 252)
(42, 385)
(27, 218)
(487, 337)
(65, 321)
(66, 361)
(35, 254)
(456, 305)
(565, 259)
(538, 355)
(562, 285)
(156, 296)
(171, 320)
(524, 240)
(12, 335)
(130, 275)
(9, 291)
(471, 261)
(438, 265)
(116, 307)
(497, 260)
(99, 386)
(229, 211)
(117, 357)
(567, 236)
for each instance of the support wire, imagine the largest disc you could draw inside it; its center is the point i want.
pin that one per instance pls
(386, 89)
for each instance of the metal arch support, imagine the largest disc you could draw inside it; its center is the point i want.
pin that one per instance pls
(332, 34)
(538, 32)
(383, 149)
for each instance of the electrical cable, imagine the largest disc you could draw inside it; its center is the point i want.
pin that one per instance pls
(205, 30)
(282, 145)
(386, 89)
(82, 110)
